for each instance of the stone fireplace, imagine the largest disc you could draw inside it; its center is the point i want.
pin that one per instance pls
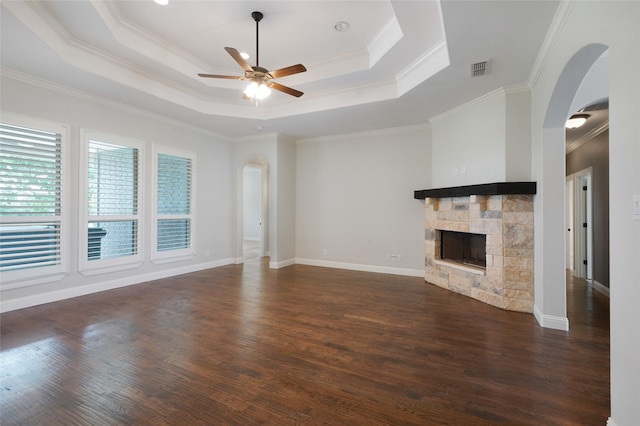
(499, 214)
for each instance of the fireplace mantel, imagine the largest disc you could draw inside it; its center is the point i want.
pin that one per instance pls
(498, 188)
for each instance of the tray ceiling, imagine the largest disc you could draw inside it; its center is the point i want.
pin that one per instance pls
(400, 62)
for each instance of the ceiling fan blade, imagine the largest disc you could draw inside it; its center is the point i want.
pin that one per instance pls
(232, 77)
(285, 89)
(293, 69)
(239, 59)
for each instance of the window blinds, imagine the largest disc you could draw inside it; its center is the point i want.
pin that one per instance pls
(113, 178)
(175, 180)
(30, 197)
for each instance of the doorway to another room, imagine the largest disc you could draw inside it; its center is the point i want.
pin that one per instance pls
(253, 230)
(587, 197)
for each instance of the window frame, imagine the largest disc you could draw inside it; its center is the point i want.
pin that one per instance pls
(45, 274)
(100, 266)
(159, 257)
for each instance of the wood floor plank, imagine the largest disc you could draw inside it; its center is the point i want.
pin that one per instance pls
(244, 344)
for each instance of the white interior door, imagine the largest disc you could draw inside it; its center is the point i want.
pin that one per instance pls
(583, 237)
(569, 223)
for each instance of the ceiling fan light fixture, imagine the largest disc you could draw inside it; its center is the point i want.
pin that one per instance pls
(257, 91)
(576, 121)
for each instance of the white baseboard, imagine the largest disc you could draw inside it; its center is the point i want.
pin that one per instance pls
(610, 422)
(601, 288)
(550, 321)
(282, 264)
(360, 267)
(83, 290)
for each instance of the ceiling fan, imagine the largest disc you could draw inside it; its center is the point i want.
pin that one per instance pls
(261, 78)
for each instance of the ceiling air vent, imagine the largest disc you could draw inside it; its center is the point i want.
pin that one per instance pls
(479, 69)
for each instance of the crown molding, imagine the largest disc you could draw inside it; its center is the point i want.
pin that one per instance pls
(587, 137)
(493, 94)
(148, 45)
(502, 91)
(424, 67)
(367, 133)
(557, 25)
(90, 97)
(384, 41)
(517, 88)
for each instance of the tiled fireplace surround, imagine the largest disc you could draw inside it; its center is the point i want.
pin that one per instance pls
(507, 222)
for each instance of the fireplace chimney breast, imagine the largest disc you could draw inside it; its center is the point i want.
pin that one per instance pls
(506, 222)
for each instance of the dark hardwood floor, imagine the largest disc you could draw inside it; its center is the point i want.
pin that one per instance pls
(246, 345)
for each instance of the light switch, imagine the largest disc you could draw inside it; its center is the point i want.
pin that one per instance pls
(636, 207)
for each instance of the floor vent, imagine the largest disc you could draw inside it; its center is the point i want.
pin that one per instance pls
(479, 69)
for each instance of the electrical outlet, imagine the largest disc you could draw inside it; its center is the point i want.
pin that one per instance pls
(636, 207)
(463, 169)
(324, 251)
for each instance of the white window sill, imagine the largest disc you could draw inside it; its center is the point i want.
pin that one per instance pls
(108, 269)
(163, 260)
(9, 283)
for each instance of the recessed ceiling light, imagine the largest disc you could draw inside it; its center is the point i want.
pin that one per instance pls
(162, 2)
(244, 55)
(342, 26)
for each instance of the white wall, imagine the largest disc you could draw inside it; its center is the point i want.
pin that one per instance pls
(518, 134)
(583, 30)
(487, 140)
(354, 199)
(468, 143)
(285, 208)
(213, 182)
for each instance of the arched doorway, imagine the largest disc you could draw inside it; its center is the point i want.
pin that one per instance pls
(550, 276)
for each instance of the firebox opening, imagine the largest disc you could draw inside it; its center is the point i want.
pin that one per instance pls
(464, 248)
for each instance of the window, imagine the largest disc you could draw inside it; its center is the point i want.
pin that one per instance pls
(31, 194)
(174, 204)
(111, 232)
